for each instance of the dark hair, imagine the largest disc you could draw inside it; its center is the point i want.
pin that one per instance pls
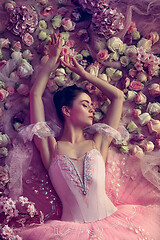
(66, 97)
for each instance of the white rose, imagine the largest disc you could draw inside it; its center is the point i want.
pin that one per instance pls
(117, 75)
(122, 49)
(98, 116)
(27, 55)
(65, 36)
(131, 52)
(114, 43)
(60, 72)
(16, 55)
(25, 69)
(124, 61)
(131, 95)
(114, 56)
(56, 21)
(60, 81)
(42, 24)
(42, 35)
(137, 151)
(142, 77)
(110, 71)
(145, 43)
(153, 108)
(104, 76)
(93, 70)
(144, 118)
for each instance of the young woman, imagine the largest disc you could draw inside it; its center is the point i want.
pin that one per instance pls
(76, 166)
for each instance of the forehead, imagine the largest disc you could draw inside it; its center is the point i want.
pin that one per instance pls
(82, 97)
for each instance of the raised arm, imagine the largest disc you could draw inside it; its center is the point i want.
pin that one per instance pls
(114, 94)
(36, 104)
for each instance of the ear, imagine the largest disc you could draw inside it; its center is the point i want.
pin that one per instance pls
(66, 111)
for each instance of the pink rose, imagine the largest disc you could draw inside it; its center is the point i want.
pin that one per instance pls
(62, 11)
(132, 72)
(154, 89)
(3, 94)
(147, 146)
(67, 24)
(136, 112)
(157, 143)
(153, 126)
(153, 36)
(4, 43)
(48, 11)
(137, 151)
(140, 98)
(102, 55)
(70, 43)
(10, 90)
(125, 81)
(136, 86)
(66, 51)
(28, 39)
(132, 28)
(16, 46)
(23, 89)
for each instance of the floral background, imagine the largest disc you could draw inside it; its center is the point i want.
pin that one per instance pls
(109, 44)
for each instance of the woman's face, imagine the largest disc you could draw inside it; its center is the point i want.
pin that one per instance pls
(81, 113)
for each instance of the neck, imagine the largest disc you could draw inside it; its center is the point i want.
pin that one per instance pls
(72, 134)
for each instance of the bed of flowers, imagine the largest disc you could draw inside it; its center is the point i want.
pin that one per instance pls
(129, 64)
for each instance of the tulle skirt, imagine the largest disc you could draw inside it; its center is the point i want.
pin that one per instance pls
(138, 209)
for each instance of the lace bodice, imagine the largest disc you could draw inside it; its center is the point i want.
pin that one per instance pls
(83, 197)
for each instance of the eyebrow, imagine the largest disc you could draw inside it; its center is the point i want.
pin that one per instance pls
(87, 102)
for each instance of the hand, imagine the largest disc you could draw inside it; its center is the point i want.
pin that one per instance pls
(73, 65)
(55, 46)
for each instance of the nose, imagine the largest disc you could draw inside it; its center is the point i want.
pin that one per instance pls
(91, 110)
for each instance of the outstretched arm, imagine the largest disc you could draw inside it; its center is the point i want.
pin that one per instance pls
(114, 94)
(44, 145)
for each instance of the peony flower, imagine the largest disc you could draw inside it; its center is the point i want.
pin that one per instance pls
(132, 127)
(144, 118)
(25, 69)
(48, 11)
(157, 143)
(142, 77)
(136, 112)
(42, 35)
(56, 21)
(3, 94)
(154, 126)
(145, 44)
(154, 89)
(147, 146)
(140, 98)
(137, 151)
(23, 89)
(67, 24)
(27, 55)
(4, 43)
(28, 39)
(114, 43)
(124, 61)
(153, 108)
(102, 55)
(42, 24)
(153, 36)
(136, 86)
(16, 46)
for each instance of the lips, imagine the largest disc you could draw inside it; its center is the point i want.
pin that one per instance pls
(90, 117)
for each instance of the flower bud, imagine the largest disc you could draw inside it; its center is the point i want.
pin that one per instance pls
(154, 126)
(136, 112)
(137, 151)
(144, 118)
(140, 98)
(153, 108)
(147, 146)
(132, 127)
(142, 77)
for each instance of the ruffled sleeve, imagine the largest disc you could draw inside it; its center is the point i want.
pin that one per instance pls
(105, 130)
(40, 129)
